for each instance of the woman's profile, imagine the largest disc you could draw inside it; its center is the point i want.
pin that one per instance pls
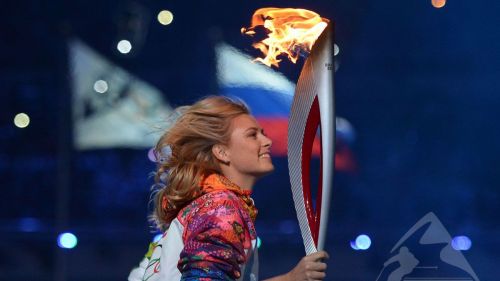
(208, 163)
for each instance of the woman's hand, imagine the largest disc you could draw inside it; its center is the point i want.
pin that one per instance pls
(310, 268)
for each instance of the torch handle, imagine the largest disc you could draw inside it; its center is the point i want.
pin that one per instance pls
(327, 117)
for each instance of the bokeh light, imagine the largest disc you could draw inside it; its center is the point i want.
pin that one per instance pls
(363, 242)
(165, 17)
(259, 242)
(67, 240)
(438, 3)
(461, 243)
(336, 49)
(345, 130)
(124, 46)
(157, 237)
(353, 245)
(101, 86)
(21, 120)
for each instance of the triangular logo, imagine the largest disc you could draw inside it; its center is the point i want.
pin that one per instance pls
(425, 253)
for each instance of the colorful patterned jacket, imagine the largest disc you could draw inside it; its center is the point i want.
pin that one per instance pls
(212, 238)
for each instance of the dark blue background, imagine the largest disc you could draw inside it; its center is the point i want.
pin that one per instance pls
(420, 85)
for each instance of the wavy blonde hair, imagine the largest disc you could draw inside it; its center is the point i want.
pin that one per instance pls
(191, 138)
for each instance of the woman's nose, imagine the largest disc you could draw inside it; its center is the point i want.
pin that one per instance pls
(267, 141)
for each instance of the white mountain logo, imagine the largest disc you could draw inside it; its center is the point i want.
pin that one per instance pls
(425, 253)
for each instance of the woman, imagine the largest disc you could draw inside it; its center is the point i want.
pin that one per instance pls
(209, 161)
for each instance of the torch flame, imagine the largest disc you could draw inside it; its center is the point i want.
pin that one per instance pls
(291, 32)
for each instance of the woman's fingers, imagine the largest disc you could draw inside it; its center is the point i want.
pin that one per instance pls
(318, 256)
(315, 275)
(316, 266)
(310, 268)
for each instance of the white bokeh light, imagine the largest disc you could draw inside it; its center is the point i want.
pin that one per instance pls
(165, 17)
(67, 240)
(363, 242)
(21, 120)
(101, 86)
(124, 46)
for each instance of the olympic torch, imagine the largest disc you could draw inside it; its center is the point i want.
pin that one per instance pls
(294, 32)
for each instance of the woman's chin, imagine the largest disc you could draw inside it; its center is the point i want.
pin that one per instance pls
(268, 169)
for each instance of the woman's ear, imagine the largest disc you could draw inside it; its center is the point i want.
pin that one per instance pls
(220, 153)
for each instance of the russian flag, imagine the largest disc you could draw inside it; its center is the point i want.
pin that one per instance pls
(269, 95)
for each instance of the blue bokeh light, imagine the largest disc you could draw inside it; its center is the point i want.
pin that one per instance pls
(67, 240)
(461, 243)
(363, 242)
(157, 237)
(353, 245)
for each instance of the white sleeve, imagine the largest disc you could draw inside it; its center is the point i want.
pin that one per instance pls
(138, 273)
(162, 265)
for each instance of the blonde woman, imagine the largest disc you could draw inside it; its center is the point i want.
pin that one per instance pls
(209, 161)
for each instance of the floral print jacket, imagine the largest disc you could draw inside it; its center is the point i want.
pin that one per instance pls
(217, 232)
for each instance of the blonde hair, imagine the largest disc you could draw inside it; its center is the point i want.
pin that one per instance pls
(190, 140)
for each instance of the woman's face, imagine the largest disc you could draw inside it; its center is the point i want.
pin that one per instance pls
(249, 149)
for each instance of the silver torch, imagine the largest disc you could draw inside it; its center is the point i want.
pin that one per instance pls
(292, 32)
(313, 106)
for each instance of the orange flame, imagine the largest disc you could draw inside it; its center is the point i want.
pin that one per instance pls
(292, 31)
